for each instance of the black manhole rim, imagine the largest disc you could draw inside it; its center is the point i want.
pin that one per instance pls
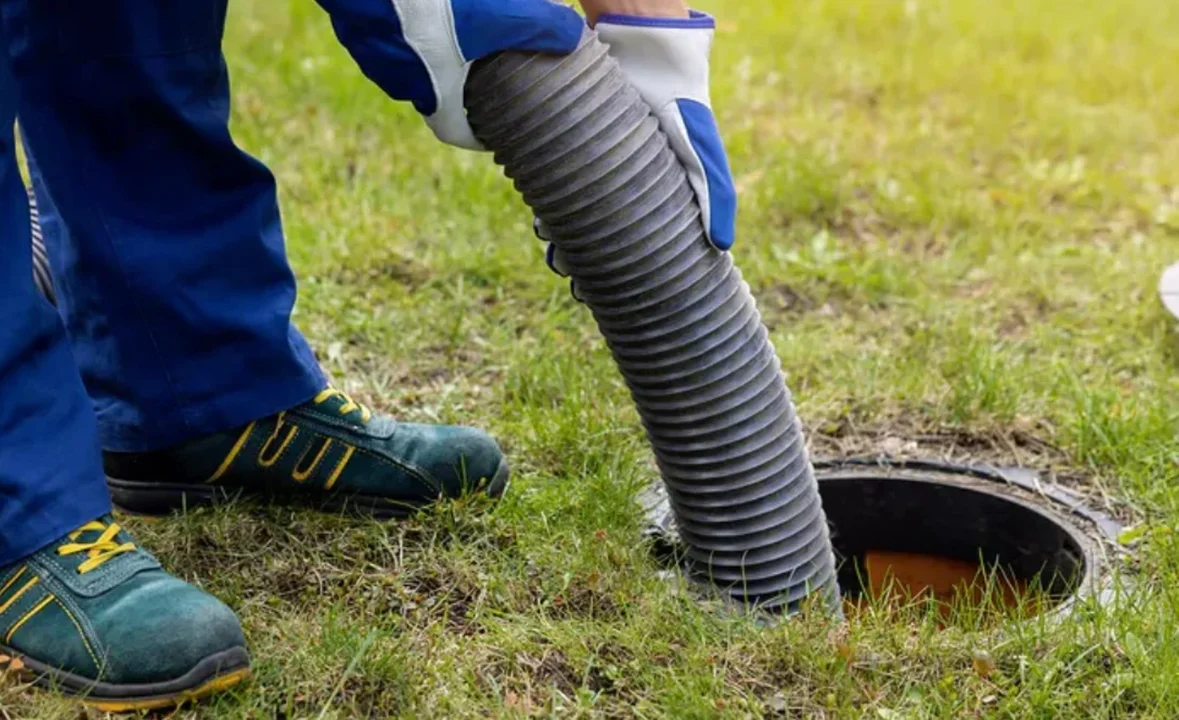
(1013, 525)
(1093, 533)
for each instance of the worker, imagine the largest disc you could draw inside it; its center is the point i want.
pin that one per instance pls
(170, 369)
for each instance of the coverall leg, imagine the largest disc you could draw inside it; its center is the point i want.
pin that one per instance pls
(51, 478)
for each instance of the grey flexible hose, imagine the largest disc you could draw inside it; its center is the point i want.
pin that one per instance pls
(589, 158)
(41, 273)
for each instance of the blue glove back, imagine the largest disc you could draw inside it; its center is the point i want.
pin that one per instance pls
(421, 50)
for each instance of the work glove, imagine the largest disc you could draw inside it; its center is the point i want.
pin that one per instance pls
(667, 60)
(422, 50)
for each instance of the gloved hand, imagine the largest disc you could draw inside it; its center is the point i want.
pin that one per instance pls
(422, 50)
(667, 60)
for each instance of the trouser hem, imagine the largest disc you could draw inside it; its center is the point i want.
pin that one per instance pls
(230, 410)
(44, 528)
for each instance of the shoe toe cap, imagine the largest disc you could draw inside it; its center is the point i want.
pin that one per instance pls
(164, 630)
(460, 460)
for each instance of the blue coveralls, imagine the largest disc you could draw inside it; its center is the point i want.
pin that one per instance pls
(166, 246)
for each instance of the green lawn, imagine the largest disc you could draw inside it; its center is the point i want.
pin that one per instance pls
(954, 216)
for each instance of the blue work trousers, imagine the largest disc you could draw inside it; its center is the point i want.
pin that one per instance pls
(166, 245)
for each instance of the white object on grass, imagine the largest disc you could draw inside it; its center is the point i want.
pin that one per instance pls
(1169, 289)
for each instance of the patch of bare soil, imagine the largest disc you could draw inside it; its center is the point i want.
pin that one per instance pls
(1015, 447)
(1024, 447)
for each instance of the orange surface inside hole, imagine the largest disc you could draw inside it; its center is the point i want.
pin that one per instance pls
(905, 579)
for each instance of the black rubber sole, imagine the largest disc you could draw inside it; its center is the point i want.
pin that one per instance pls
(214, 674)
(158, 499)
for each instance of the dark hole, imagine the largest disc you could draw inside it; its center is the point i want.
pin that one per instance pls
(932, 531)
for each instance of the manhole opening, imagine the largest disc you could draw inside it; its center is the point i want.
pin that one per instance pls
(904, 539)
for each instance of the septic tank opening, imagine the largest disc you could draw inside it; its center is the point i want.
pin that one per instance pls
(955, 543)
(915, 529)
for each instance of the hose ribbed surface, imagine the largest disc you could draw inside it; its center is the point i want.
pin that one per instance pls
(41, 273)
(588, 157)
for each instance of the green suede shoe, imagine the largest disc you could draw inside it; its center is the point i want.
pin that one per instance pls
(95, 616)
(330, 453)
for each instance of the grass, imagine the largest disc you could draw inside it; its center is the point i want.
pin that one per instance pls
(954, 216)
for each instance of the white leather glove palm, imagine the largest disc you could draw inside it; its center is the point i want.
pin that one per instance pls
(667, 60)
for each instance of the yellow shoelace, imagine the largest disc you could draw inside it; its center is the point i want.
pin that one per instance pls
(349, 404)
(101, 550)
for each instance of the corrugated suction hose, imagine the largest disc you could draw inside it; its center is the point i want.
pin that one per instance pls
(589, 158)
(41, 273)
